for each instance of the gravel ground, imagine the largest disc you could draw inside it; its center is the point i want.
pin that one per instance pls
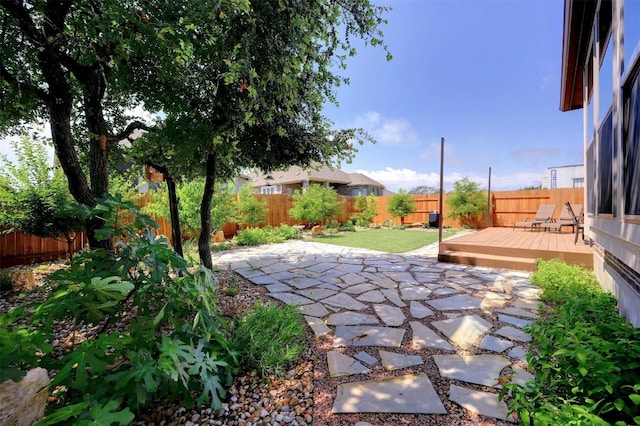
(304, 397)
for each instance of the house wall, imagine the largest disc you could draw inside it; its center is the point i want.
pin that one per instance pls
(611, 155)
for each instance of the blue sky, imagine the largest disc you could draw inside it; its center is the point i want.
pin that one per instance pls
(485, 75)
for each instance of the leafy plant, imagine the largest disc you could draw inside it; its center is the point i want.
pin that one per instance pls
(273, 337)
(467, 202)
(316, 204)
(366, 208)
(175, 346)
(401, 204)
(250, 211)
(584, 354)
(5, 280)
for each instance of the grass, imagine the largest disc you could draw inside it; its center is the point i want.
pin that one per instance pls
(386, 240)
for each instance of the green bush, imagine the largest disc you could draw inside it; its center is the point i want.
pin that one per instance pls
(585, 356)
(401, 204)
(5, 280)
(266, 235)
(348, 226)
(272, 337)
(175, 346)
(366, 208)
(316, 204)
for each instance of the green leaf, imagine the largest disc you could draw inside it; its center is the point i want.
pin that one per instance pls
(64, 413)
(619, 404)
(581, 354)
(635, 398)
(107, 415)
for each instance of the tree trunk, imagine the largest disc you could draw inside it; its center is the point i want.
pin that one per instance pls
(204, 249)
(176, 235)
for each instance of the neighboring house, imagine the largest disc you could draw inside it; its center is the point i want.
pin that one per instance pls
(295, 178)
(563, 177)
(601, 75)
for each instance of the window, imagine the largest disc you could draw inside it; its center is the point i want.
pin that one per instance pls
(605, 166)
(631, 145)
(578, 182)
(631, 32)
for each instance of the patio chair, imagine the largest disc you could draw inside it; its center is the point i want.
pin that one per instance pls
(577, 220)
(543, 215)
(566, 218)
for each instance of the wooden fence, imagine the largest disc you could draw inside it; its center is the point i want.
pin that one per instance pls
(508, 208)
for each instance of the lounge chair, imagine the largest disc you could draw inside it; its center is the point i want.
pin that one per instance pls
(577, 220)
(566, 218)
(543, 215)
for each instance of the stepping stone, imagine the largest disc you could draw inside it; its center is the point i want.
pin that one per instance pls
(418, 310)
(316, 293)
(275, 268)
(345, 301)
(290, 298)
(413, 394)
(465, 330)
(519, 353)
(415, 292)
(484, 403)
(348, 267)
(395, 361)
(495, 344)
(303, 282)
(363, 424)
(519, 312)
(426, 277)
(424, 337)
(521, 376)
(387, 283)
(315, 310)
(393, 297)
(321, 267)
(529, 293)
(513, 333)
(278, 288)
(342, 365)
(360, 288)
(390, 315)
(249, 273)
(531, 305)
(518, 322)
(445, 291)
(362, 335)
(401, 276)
(264, 280)
(366, 358)
(478, 369)
(371, 297)
(284, 275)
(455, 303)
(329, 287)
(466, 281)
(318, 326)
(353, 279)
(351, 318)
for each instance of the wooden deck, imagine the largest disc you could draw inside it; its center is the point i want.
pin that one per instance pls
(515, 249)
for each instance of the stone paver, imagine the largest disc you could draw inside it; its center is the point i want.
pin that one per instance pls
(463, 331)
(406, 394)
(360, 298)
(485, 403)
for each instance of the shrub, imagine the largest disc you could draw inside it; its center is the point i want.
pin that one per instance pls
(174, 346)
(348, 226)
(401, 204)
(316, 204)
(585, 356)
(366, 209)
(467, 203)
(266, 235)
(250, 211)
(287, 232)
(5, 280)
(272, 337)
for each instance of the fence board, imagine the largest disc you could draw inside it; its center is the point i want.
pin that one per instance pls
(509, 207)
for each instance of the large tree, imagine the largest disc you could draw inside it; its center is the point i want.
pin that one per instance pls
(243, 82)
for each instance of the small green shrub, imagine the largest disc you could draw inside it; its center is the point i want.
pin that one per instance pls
(5, 280)
(221, 247)
(266, 235)
(287, 232)
(585, 356)
(348, 226)
(272, 337)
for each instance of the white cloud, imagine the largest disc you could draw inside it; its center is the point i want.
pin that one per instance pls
(387, 131)
(395, 179)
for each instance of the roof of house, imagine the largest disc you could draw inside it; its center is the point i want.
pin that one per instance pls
(358, 179)
(296, 174)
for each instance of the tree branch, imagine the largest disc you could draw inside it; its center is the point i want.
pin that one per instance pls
(22, 86)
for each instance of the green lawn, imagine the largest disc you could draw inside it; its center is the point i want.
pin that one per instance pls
(387, 240)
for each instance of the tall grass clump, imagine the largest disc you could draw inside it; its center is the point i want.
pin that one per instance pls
(271, 337)
(585, 356)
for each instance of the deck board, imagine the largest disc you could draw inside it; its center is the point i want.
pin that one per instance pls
(507, 242)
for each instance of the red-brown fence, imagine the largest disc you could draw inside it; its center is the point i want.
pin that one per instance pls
(508, 208)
